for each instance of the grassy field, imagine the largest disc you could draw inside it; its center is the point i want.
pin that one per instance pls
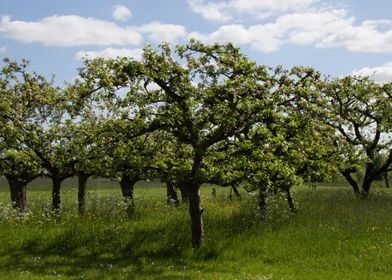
(333, 236)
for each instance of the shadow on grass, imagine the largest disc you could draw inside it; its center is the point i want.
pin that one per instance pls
(157, 250)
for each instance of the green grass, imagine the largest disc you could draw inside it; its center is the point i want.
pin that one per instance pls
(333, 236)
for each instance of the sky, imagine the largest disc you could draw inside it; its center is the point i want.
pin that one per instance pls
(336, 37)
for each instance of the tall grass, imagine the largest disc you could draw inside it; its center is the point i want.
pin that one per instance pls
(333, 236)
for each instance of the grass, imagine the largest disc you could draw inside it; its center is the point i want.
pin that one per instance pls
(333, 236)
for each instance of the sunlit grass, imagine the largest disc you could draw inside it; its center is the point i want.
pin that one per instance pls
(333, 236)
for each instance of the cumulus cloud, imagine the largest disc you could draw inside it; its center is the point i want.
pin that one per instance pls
(224, 11)
(69, 30)
(72, 30)
(322, 28)
(121, 13)
(111, 53)
(158, 32)
(211, 10)
(382, 74)
(235, 33)
(369, 36)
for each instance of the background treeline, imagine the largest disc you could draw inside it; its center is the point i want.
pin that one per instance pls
(197, 114)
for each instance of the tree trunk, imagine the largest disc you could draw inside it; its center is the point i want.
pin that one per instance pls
(18, 193)
(127, 185)
(56, 198)
(171, 192)
(386, 179)
(290, 201)
(82, 186)
(366, 187)
(182, 185)
(195, 212)
(262, 202)
(235, 190)
(347, 174)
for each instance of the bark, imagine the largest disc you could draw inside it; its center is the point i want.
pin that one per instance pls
(213, 192)
(127, 186)
(347, 174)
(235, 190)
(182, 185)
(56, 193)
(370, 175)
(18, 193)
(82, 186)
(262, 202)
(290, 201)
(171, 192)
(386, 179)
(365, 188)
(195, 212)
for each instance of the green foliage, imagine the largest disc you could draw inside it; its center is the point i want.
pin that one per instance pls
(359, 111)
(21, 165)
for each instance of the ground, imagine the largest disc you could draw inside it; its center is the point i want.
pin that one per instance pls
(333, 236)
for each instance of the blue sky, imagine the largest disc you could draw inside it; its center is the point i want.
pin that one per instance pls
(336, 37)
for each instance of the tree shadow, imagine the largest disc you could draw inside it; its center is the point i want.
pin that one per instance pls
(160, 250)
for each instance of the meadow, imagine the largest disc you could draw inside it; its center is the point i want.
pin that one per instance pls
(333, 235)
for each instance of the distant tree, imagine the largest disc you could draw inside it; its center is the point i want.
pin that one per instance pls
(172, 160)
(359, 110)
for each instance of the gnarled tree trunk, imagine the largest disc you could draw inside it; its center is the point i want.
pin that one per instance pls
(290, 201)
(235, 190)
(367, 182)
(18, 193)
(56, 193)
(82, 186)
(184, 190)
(195, 212)
(354, 184)
(171, 193)
(127, 186)
(386, 179)
(262, 202)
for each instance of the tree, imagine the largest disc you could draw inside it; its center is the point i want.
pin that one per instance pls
(90, 155)
(286, 148)
(130, 162)
(209, 94)
(224, 167)
(26, 104)
(359, 111)
(171, 162)
(20, 167)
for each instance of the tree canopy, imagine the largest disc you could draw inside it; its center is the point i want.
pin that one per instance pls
(191, 115)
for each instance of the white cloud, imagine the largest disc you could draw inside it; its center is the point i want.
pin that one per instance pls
(111, 53)
(69, 30)
(211, 10)
(234, 33)
(121, 13)
(322, 28)
(3, 49)
(224, 11)
(369, 36)
(72, 30)
(158, 32)
(382, 74)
